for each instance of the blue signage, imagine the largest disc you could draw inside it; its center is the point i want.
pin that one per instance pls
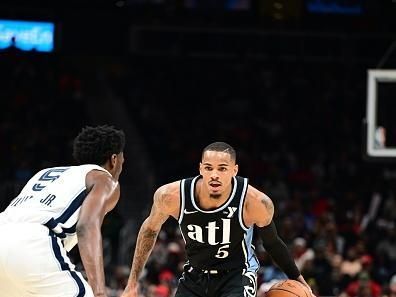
(352, 7)
(26, 35)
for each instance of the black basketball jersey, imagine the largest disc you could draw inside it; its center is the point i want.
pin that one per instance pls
(218, 238)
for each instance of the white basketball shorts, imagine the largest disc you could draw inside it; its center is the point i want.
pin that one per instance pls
(33, 263)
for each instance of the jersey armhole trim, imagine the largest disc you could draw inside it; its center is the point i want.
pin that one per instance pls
(242, 203)
(182, 201)
(99, 168)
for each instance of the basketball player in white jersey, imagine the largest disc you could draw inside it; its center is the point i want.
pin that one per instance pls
(58, 208)
(217, 211)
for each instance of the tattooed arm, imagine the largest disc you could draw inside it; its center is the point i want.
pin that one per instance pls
(258, 208)
(166, 203)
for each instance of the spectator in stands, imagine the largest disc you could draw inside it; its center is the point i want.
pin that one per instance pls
(350, 267)
(301, 252)
(363, 286)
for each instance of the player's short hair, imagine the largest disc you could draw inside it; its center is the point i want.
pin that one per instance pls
(220, 147)
(96, 145)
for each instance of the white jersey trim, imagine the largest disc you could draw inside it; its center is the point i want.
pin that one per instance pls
(192, 196)
(182, 201)
(241, 203)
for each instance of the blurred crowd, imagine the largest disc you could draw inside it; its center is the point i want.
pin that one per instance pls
(296, 126)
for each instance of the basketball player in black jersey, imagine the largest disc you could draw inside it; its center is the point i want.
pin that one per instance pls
(217, 211)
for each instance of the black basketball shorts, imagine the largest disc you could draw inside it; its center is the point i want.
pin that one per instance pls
(217, 283)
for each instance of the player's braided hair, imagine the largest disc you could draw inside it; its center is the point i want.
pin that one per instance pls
(96, 145)
(221, 147)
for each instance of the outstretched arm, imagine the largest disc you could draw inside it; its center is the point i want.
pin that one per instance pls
(104, 193)
(259, 211)
(279, 252)
(163, 203)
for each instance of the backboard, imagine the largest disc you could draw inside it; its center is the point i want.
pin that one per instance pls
(380, 122)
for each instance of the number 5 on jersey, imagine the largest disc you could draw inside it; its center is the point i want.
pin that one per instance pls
(48, 176)
(222, 252)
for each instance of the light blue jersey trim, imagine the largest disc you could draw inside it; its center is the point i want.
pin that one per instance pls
(251, 262)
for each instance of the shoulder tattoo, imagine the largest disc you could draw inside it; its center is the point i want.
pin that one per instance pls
(268, 204)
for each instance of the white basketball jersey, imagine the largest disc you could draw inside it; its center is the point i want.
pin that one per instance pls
(52, 197)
